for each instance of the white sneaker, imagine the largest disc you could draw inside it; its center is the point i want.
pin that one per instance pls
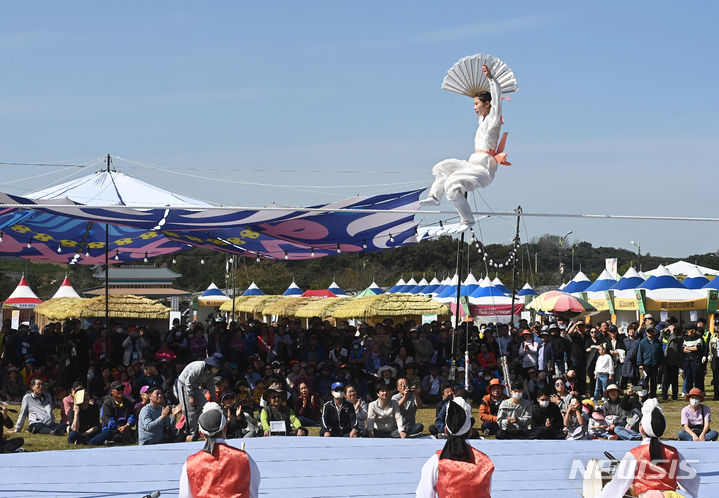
(429, 201)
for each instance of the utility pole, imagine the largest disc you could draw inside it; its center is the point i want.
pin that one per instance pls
(107, 277)
(514, 264)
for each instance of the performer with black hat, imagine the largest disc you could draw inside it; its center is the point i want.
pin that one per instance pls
(459, 470)
(218, 469)
(653, 468)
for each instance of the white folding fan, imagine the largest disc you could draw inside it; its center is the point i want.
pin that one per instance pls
(466, 76)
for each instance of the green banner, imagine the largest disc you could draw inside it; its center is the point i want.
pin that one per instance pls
(641, 296)
(609, 295)
(712, 301)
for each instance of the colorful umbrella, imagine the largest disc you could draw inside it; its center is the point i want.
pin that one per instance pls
(560, 303)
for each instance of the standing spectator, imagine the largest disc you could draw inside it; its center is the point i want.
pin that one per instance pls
(696, 419)
(117, 416)
(37, 408)
(694, 359)
(85, 428)
(674, 341)
(384, 418)
(547, 419)
(558, 349)
(189, 386)
(338, 415)
(423, 349)
(8, 445)
(630, 371)
(515, 415)
(577, 355)
(308, 408)
(545, 355)
(528, 351)
(134, 346)
(409, 401)
(617, 350)
(650, 357)
(156, 419)
(714, 359)
(603, 371)
(489, 407)
(591, 346)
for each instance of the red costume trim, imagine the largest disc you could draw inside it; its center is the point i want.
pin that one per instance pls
(657, 476)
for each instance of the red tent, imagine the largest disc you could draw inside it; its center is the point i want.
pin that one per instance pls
(318, 293)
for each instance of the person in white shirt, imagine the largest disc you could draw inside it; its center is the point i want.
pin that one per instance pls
(603, 371)
(455, 177)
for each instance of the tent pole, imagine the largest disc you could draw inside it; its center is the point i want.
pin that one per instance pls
(514, 265)
(107, 281)
(234, 283)
(460, 267)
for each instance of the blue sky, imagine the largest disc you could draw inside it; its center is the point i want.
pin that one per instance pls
(616, 111)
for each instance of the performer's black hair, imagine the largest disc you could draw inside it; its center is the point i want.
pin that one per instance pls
(484, 96)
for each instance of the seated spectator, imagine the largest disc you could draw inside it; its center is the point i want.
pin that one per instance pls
(85, 420)
(156, 420)
(489, 407)
(487, 360)
(514, 416)
(68, 402)
(696, 419)
(359, 404)
(561, 398)
(413, 379)
(547, 420)
(240, 422)
(408, 400)
(165, 354)
(144, 399)
(537, 383)
(576, 419)
(338, 415)
(384, 418)
(322, 384)
(388, 374)
(437, 429)
(308, 407)
(432, 386)
(275, 411)
(37, 409)
(14, 389)
(118, 416)
(616, 416)
(8, 445)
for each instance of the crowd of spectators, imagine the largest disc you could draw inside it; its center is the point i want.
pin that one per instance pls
(132, 383)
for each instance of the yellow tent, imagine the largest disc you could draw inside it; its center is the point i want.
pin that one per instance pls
(404, 305)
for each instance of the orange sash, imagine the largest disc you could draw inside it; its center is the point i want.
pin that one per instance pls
(499, 155)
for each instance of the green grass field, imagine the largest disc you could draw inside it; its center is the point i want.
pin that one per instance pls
(425, 416)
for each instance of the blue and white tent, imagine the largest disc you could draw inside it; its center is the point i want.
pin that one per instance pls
(604, 282)
(630, 280)
(527, 291)
(695, 279)
(498, 283)
(449, 291)
(579, 283)
(406, 288)
(212, 296)
(417, 289)
(713, 284)
(375, 288)
(335, 289)
(431, 287)
(253, 290)
(293, 290)
(488, 295)
(662, 279)
(395, 288)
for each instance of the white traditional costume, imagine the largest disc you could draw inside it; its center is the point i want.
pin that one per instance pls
(455, 177)
(656, 470)
(459, 470)
(218, 469)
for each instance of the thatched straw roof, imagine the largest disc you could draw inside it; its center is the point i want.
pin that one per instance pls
(255, 304)
(227, 305)
(60, 308)
(390, 305)
(121, 306)
(287, 306)
(321, 307)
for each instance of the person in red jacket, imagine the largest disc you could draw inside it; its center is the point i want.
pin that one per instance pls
(218, 469)
(458, 470)
(652, 468)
